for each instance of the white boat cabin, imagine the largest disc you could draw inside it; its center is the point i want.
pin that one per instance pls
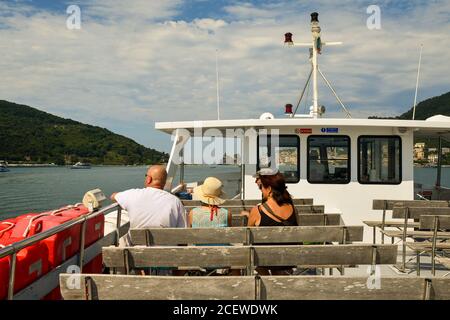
(341, 163)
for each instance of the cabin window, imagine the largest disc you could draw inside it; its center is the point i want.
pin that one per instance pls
(328, 159)
(285, 154)
(379, 160)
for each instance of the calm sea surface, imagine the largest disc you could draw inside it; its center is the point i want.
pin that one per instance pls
(24, 190)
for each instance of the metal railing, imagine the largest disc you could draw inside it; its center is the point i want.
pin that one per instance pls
(13, 249)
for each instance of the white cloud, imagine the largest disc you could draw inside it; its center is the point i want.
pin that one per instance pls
(137, 65)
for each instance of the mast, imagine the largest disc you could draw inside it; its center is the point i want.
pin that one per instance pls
(439, 168)
(315, 29)
(217, 85)
(417, 82)
(315, 49)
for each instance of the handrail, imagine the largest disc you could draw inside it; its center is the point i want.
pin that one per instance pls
(17, 246)
(422, 197)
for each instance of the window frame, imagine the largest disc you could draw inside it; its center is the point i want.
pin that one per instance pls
(297, 137)
(399, 158)
(349, 179)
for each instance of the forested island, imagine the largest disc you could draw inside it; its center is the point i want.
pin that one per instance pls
(28, 135)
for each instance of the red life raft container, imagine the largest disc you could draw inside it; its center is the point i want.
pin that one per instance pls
(31, 264)
(94, 228)
(53, 250)
(6, 227)
(60, 246)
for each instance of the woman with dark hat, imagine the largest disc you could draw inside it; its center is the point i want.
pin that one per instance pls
(277, 209)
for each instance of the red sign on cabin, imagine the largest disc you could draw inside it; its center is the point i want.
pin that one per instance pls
(303, 130)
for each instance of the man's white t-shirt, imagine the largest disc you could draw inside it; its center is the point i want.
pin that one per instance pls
(151, 207)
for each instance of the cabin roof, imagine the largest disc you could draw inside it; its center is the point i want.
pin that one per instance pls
(430, 127)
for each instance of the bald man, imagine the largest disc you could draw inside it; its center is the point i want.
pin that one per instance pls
(152, 206)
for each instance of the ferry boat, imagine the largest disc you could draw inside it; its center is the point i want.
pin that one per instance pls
(81, 165)
(342, 163)
(3, 166)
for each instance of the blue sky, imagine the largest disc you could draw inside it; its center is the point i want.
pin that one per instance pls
(137, 62)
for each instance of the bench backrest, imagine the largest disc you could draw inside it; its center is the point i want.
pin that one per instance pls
(390, 204)
(124, 287)
(418, 212)
(352, 288)
(306, 234)
(303, 219)
(323, 255)
(301, 208)
(427, 222)
(330, 219)
(243, 203)
(242, 257)
(251, 235)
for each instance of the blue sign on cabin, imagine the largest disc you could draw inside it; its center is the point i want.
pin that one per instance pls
(329, 130)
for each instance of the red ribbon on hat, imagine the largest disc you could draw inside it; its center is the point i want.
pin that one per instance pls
(213, 210)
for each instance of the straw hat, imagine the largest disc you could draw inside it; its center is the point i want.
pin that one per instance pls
(210, 192)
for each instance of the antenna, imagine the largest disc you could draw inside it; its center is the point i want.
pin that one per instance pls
(417, 82)
(315, 48)
(217, 85)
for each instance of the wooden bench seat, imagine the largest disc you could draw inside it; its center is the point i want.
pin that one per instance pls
(391, 223)
(418, 212)
(126, 287)
(444, 261)
(388, 205)
(415, 234)
(427, 246)
(248, 257)
(246, 235)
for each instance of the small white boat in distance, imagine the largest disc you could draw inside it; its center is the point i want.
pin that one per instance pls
(81, 165)
(3, 166)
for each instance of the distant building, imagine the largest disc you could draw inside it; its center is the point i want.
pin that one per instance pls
(419, 151)
(445, 150)
(433, 158)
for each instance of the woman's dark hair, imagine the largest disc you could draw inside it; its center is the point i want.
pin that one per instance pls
(279, 189)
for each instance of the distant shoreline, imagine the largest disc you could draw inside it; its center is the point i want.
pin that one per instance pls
(430, 166)
(52, 165)
(49, 165)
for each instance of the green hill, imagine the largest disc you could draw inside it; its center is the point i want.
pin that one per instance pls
(33, 136)
(430, 107)
(425, 109)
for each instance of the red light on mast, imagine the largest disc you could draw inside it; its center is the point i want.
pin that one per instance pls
(288, 39)
(288, 109)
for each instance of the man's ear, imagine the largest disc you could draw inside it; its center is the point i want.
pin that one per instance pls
(148, 180)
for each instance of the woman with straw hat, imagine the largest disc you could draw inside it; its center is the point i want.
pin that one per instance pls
(209, 215)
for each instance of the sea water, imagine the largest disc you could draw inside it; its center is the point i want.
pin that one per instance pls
(32, 189)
